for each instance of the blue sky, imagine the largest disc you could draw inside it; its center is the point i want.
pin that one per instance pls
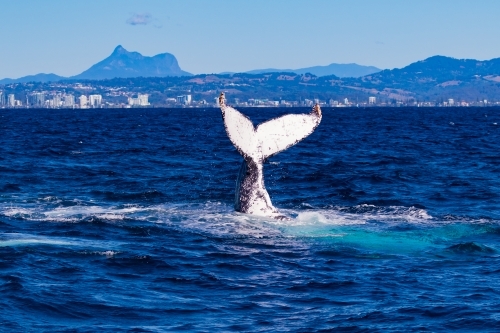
(66, 37)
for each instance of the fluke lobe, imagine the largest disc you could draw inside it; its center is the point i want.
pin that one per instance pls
(258, 144)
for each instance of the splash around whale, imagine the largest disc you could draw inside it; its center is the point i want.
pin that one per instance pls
(258, 144)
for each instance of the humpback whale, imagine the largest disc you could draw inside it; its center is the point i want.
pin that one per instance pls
(258, 144)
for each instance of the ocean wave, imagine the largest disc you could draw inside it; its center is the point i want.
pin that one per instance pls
(391, 229)
(16, 239)
(54, 209)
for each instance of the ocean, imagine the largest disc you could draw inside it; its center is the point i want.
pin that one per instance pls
(122, 220)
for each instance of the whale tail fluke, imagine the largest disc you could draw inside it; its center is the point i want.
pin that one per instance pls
(270, 137)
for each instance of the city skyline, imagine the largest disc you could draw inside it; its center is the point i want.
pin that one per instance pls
(222, 36)
(75, 95)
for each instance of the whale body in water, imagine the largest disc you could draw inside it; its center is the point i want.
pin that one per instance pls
(258, 144)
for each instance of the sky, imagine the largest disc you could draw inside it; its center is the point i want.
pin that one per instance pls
(66, 37)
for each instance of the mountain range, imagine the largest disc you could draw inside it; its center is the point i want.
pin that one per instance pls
(124, 64)
(340, 70)
(120, 64)
(433, 78)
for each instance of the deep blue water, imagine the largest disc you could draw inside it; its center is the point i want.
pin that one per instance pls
(122, 221)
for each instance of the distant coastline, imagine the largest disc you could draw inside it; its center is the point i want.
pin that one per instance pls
(247, 90)
(128, 79)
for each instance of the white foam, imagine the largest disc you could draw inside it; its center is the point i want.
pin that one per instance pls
(50, 198)
(216, 213)
(108, 254)
(211, 217)
(72, 213)
(312, 216)
(219, 219)
(12, 212)
(357, 215)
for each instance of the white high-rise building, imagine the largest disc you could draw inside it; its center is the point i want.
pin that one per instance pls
(451, 102)
(141, 100)
(2, 98)
(11, 100)
(69, 101)
(332, 102)
(346, 101)
(372, 100)
(184, 99)
(56, 101)
(38, 99)
(83, 101)
(95, 101)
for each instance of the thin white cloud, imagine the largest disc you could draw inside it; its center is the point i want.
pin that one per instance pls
(140, 19)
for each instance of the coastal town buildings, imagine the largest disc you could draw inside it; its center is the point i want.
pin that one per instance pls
(93, 95)
(141, 100)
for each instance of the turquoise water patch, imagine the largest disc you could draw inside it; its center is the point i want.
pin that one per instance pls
(391, 237)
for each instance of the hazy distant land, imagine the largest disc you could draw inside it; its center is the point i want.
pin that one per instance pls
(435, 81)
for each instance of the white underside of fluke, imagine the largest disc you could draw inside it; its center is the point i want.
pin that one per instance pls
(258, 144)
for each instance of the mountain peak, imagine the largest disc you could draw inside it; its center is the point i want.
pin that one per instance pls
(122, 63)
(119, 49)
